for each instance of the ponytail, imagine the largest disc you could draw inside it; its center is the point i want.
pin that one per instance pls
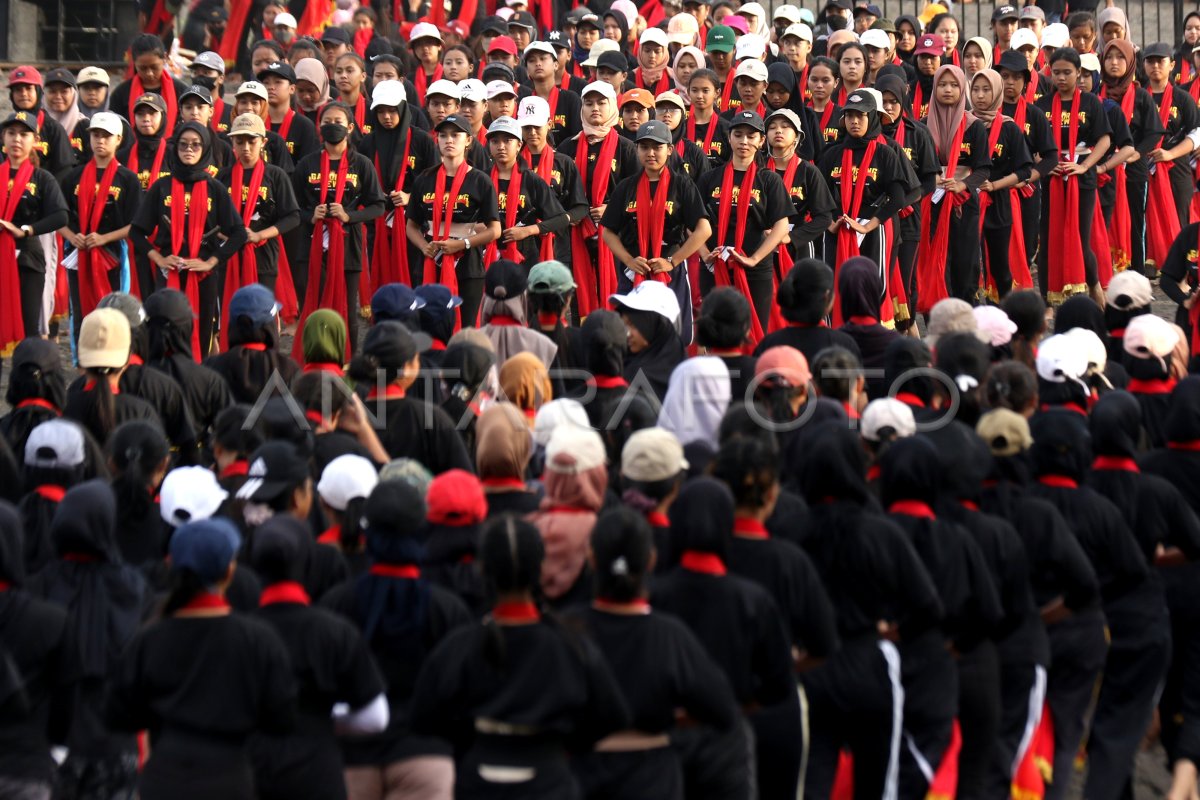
(185, 585)
(100, 405)
(136, 449)
(353, 539)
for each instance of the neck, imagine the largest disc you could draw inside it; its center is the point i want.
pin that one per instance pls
(335, 150)
(653, 173)
(278, 112)
(452, 163)
(756, 514)
(504, 170)
(741, 164)
(1066, 94)
(102, 162)
(15, 163)
(535, 149)
(351, 97)
(247, 164)
(702, 114)
(782, 157)
(1158, 87)
(543, 86)
(430, 67)
(820, 103)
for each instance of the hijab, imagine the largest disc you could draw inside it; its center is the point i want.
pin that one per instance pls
(1115, 88)
(504, 443)
(392, 610)
(105, 598)
(944, 120)
(69, 118)
(874, 130)
(576, 479)
(899, 89)
(1183, 411)
(989, 112)
(860, 288)
(689, 50)
(702, 516)
(663, 352)
(1062, 444)
(525, 382)
(604, 341)
(389, 144)
(324, 338)
(508, 340)
(1116, 425)
(313, 71)
(1080, 311)
(191, 173)
(595, 133)
(697, 398)
(984, 45)
(1113, 15)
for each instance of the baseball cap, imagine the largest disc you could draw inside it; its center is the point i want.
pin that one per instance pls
(189, 494)
(346, 478)
(280, 68)
(199, 92)
(209, 60)
(558, 39)
(753, 9)
(22, 118)
(1005, 12)
(212, 13)
(337, 34)
(60, 75)
(499, 88)
(573, 450)
(951, 315)
(753, 69)
(887, 418)
(1092, 346)
(788, 12)
(650, 296)
(861, 101)
(540, 47)
(884, 24)
(783, 366)
(504, 126)
(533, 111)
(930, 44)
(104, 340)
(785, 114)
(456, 121)
(252, 87)
(800, 31)
(128, 305)
(1055, 35)
(424, 30)
(153, 100)
(205, 548)
(40, 354)
(654, 131)
(503, 44)
(588, 19)
(455, 498)
(473, 89)
(395, 301)
(738, 23)
(845, 5)
(55, 444)
(682, 29)
(1060, 360)
(670, 98)
(601, 46)
(1157, 50)
(275, 467)
(445, 88)
(437, 298)
(750, 46)
(1150, 336)
(1013, 61)
(1005, 432)
(654, 36)
(25, 76)
(875, 38)
(498, 71)
(1129, 289)
(285, 20)
(652, 454)
(493, 25)
(390, 94)
(613, 60)
(749, 119)
(873, 10)
(504, 280)
(525, 20)
(600, 87)
(93, 75)
(551, 277)
(643, 97)
(992, 320)
(1023, 38)
(1033, 12)
(255, 301)
(1089, 62)
(106, 121)
(720, 39)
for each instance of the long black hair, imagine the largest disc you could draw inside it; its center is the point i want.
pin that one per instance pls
(622, 547)
(136, 450)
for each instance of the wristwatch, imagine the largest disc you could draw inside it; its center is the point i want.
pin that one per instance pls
(27, 230)
(466, 244)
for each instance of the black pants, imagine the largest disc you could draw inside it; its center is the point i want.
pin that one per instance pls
(907, 253)
(1182, 186)
(1135, 190)
(1179, 708)
(761, 281)
(1031, 220)
(354, 319)
(996, 249)
(778, 748)
(717, 765)
(210, 293)
(1078, 647)
(962, 268)
(855, 701)
(1022, 693)
(628, 776)
(978, 717)
(1087, 209)
(114, 282)
(471, 292)
(930, 706)
(32, 285)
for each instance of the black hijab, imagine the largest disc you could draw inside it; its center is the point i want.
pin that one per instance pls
(660, 357)
(1116, 425)
(191, 173)
(829, 463)
(895, 84)
(909, 470)
(389, 145)
(105, 597)
(391, 611)
(279, 550)
(1062, 444)
(874, 131)
(1183, 411)
(702, 516)
(12, 547)
(604, 341)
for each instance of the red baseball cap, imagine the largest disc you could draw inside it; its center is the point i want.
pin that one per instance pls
(24, 76)
(459, 27)
(455, 498)
(930, 44)
(504, 44)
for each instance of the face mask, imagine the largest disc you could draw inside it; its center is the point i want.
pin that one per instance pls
(836, 22)
(207, 81)
(334, 133)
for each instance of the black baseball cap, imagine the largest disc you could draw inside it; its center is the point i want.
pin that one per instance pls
(614, 60)
(873, 10)
(1013, 61)
(212, 13)
(22, 118)
(559, 40)
(499, 72)
(860, 101)
(523, 19)
(656, 131)
(204, 95)
(493, 25)
(505, 280)
(60, 75)
(280, 68)
(1158, 50)
(336, 34)
(1005, 12)
(842, 4)
(456, 121)
(275, 468)
(748, 119)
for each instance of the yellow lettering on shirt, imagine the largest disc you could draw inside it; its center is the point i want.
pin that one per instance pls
(873, 173)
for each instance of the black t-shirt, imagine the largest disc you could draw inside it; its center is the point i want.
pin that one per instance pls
(1092, 125)
(54, 145)
(422, 154)
(155, 389)
(120, 206)
(718, 148)
(809, 340)
(769, 203)
(128, 407)
(155, 213)
(476, 202)
(1146, 128)
(146, 152)
(536, 203)
(301, 135)
(812, 207)
(362, 198)
(276, 206)
(565, 116)
(688, 159)
(1036, 128)
(624, 163)
(885, 190)
(1182, 116)
(685, 209)
(43, 208)
(1009, 156)
(414, 429)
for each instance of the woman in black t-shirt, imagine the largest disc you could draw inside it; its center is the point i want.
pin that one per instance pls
(812, 203)
(453, 214)
(528, 210)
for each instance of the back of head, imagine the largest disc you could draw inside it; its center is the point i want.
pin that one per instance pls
(702, 516)
(388, 349)
(395, 516)
(1012, 385)
(137, 450)
(806, 292)
(604, 338)
(510, 554)
(905, 364)
(1027, 309)
(749, 466)
(909, 470)
(623, 552)
(1062, 444)
(279, 549)
(827, 461)
(724, 320)
(84, 523)
(965, 361)
(835, 372)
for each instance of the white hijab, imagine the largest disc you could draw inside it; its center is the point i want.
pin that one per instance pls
(697, 397)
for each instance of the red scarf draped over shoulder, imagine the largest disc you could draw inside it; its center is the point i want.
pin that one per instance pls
(852, 182)
(189, 215)
(933, 256)
(1120, 236)
(443, 217)
(12, 324)
(723, 274)
(167, 91)
(242, 269)
(390, 259)
(94, 263)
(332, 262)
(595, 282)
(1065, 263)
(1162, 218)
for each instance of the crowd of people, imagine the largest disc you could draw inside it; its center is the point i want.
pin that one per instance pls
(683, 401)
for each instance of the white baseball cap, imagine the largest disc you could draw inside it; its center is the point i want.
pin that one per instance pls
(1127, 289)
(889, 417)
(473, 89)
(1150, 336)
(875, 38)
(505, 125)
(540, 47)
(654, 36)
(445, 88)
(388, 93)
(751, 68)
(498, 88)
(424, 30)
(55, 444)
(650, 296)
(601, 46)
(600, 87)
(108, 122)
(789, 12)
(346, 478)
(799, 30)
(1060, 359)
(189, 494)
(682, 29)
(533, 111)
(749, 46)
(1055, 35)
(286, 20)
(253, 87)
(1023, 38)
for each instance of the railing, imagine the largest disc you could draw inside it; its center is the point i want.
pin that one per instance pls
(81, 31)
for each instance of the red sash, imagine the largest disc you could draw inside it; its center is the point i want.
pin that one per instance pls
(918, 102)
(234, 37)
(166, 90)
(156, 169)
(12, 325)
(317, 15)
(512, 205)
(721, 270)
(932, 259)
(545, 171)
(593, 292)
(664, 83)
(1065, 255)
(1162, 217)
(333, 294)
(242, 269)
(784, 261)
(1194, 312)
(443, 217)
(192, 205)
(727, 100)
(94, 263)
(1018, 260)
(421, 81)
(1120, 237)
(650, 231)
(706, 145)
(851, 191)
(390, 262)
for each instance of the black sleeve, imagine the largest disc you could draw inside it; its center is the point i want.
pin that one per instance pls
(1062, 553)
(228, 221)
(60, 156)
(892, 184)
(53, 205)
(1019, 161)
(131, 196)
(489, 206)
(1178, 130)
(1041, 134)
(605, 711)
(358, 678)
(277, 709)
(552, 217)
(304, 197)
(69, 183)
(777, 205)
(1175, 267)
(690, 201)
(287, 213)
(815, 627)
(148, 213)
(1119, 133)
(1098, 120)
(700, 684)
(278, 152)
(981, 158)
(986, 612)
(615, 218)
(126, 707)
(922, 608)
(370, 202)
(1148, 125)
(573, 199)
(772, 653)
(417, 210)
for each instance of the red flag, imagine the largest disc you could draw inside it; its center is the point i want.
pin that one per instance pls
(944, 785)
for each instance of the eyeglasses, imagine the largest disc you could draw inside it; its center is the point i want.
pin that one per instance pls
(188, 144)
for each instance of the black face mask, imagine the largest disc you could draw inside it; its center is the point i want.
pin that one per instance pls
(334, 133)
(836, 22)
(207, 81)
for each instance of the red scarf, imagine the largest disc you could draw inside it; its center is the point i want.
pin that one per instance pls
(166, 90)
(912, 508)
(748, 528)
(333, 262)
(920, 108)
(422, 82)
(234, 37)
(727, 100)
(362, 38)
(390, 262)
(94, 263)
(155, 170)
(596, 282)
(284, 592)
(404, 571)
(933, 255)
(722, 273)
(214, 124)
(443, 217)
(704, 563)
(317, 16)
(1119, 233)
(512, 206)
(664, 82)
(650, 231)
(552, 101)
(242, 269)
(852, 184)
(12, 187)
(1065, 261)
(183, 200)
(545, 171)
(1018, 262)
(1162, 218)
(516, 613)
(206, 601)
(1058, 481)
(1115, 463)
(784, 261)
(285, 126)
(706, 145)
